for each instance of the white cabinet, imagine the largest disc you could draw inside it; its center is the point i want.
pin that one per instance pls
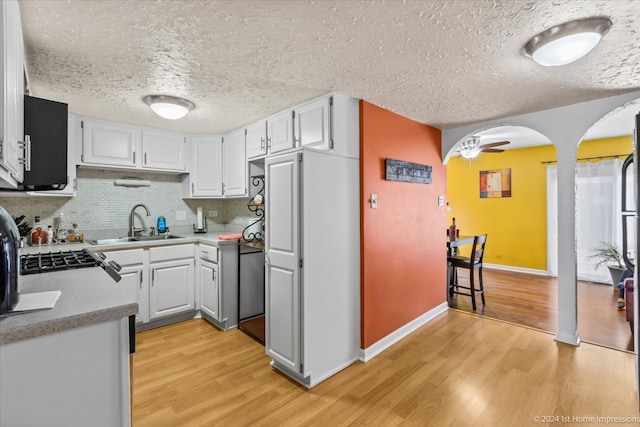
(134, 278)
(163, 150)
(312, 272)
(269, 136)
(235, 164)
(12, 150)
(109, 144)
(280, 132)
(205, 167)
(312, 121)
(172, 289)
(209, 289)
(257, 139)
(218, 284)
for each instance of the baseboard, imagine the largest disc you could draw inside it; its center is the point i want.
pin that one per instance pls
(373, 350)
(516, 269)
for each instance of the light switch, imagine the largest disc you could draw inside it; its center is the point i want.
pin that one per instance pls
(440, 200)
(213, 213)
(374, 201)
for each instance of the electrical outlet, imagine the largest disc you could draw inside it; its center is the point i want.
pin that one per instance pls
(181, 215)
(213, 213)
(440, 200)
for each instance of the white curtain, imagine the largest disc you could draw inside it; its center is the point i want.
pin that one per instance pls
(598, 215)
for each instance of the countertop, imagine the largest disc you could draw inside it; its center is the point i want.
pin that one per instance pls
(89, 296)
(210, 238)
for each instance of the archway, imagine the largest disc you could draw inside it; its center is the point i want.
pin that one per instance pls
(600, 153)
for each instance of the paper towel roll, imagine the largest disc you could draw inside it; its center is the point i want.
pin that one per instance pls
(200, 220)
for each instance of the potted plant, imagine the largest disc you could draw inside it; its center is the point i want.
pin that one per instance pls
(609, 254)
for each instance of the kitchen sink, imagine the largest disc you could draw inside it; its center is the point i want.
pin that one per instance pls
(130, 239)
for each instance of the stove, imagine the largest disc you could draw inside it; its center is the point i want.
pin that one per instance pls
(66, 260)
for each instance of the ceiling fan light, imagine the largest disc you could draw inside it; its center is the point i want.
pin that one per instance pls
(169, 107)
(567, 42)
(470, 153)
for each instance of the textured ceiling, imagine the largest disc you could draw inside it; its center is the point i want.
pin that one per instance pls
(444, 63)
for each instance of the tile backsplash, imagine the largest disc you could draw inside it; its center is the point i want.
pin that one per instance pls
(101, 209)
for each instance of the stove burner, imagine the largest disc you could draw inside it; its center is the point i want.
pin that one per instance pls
(56, 261)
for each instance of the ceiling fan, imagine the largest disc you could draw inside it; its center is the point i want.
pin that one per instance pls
(471, 148)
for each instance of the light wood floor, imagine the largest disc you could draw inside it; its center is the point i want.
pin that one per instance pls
(531, 300)
(457, 370)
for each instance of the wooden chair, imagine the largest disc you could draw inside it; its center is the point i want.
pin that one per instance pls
(471, 263)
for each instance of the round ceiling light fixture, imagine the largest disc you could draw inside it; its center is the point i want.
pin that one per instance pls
(568, 42)
(169, 107)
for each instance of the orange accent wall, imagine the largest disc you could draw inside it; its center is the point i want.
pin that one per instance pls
(403, 245)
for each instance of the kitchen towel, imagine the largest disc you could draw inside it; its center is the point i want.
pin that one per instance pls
(230, 237)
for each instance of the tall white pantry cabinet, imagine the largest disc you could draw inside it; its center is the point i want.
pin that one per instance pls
(312, 249)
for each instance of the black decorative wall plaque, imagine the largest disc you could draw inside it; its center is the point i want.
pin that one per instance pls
(397, 170)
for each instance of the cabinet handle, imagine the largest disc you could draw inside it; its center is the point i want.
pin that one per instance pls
(27, 153)
(193, 188)
(140, 279)
(145, 157)
(134, 157)
(153, 276)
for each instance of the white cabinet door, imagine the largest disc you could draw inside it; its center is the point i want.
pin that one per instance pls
(235, 165)
(172, 288)
(312, 124)
(257, 139)
(280, 132)
(209, 289)
(132, 282)
(12, 104)
(282, 247)
(163, 150)
(109, 144)
(205, 176)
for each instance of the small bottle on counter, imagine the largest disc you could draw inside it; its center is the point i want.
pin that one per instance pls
(453, 230)
(49, 235)
(37, 235)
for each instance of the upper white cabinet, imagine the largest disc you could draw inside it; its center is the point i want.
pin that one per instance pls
(257, 139)
(235, 164)
(329, 123)
(12, 150)
(109, 144)
(311, 124)
(163, 150)
(112, 145)
(280, 132)
(205, 167)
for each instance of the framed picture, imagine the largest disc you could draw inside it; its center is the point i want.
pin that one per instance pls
(495, 183)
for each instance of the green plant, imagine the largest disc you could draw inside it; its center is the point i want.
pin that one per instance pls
(606, 253)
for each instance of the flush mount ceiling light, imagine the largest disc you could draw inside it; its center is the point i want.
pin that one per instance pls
(169, 107)
(471, 148)
(568, 42)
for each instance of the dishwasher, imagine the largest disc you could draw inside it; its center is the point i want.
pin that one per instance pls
(251, 319)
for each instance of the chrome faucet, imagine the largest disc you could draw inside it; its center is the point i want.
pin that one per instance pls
(132, 229)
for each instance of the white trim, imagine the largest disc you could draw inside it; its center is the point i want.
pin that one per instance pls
(516, 269)
(378, 347)
(567, 339)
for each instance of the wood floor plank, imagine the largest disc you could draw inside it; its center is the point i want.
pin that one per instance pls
(459, 369)
(531, 300)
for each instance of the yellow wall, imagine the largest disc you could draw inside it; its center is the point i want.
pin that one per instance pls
(516, 225)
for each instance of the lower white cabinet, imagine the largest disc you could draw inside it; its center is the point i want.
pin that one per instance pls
(172, 289)
(134, 278)
(209, 289)
(161, 279)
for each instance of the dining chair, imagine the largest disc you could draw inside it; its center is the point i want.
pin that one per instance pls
(471, 263)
